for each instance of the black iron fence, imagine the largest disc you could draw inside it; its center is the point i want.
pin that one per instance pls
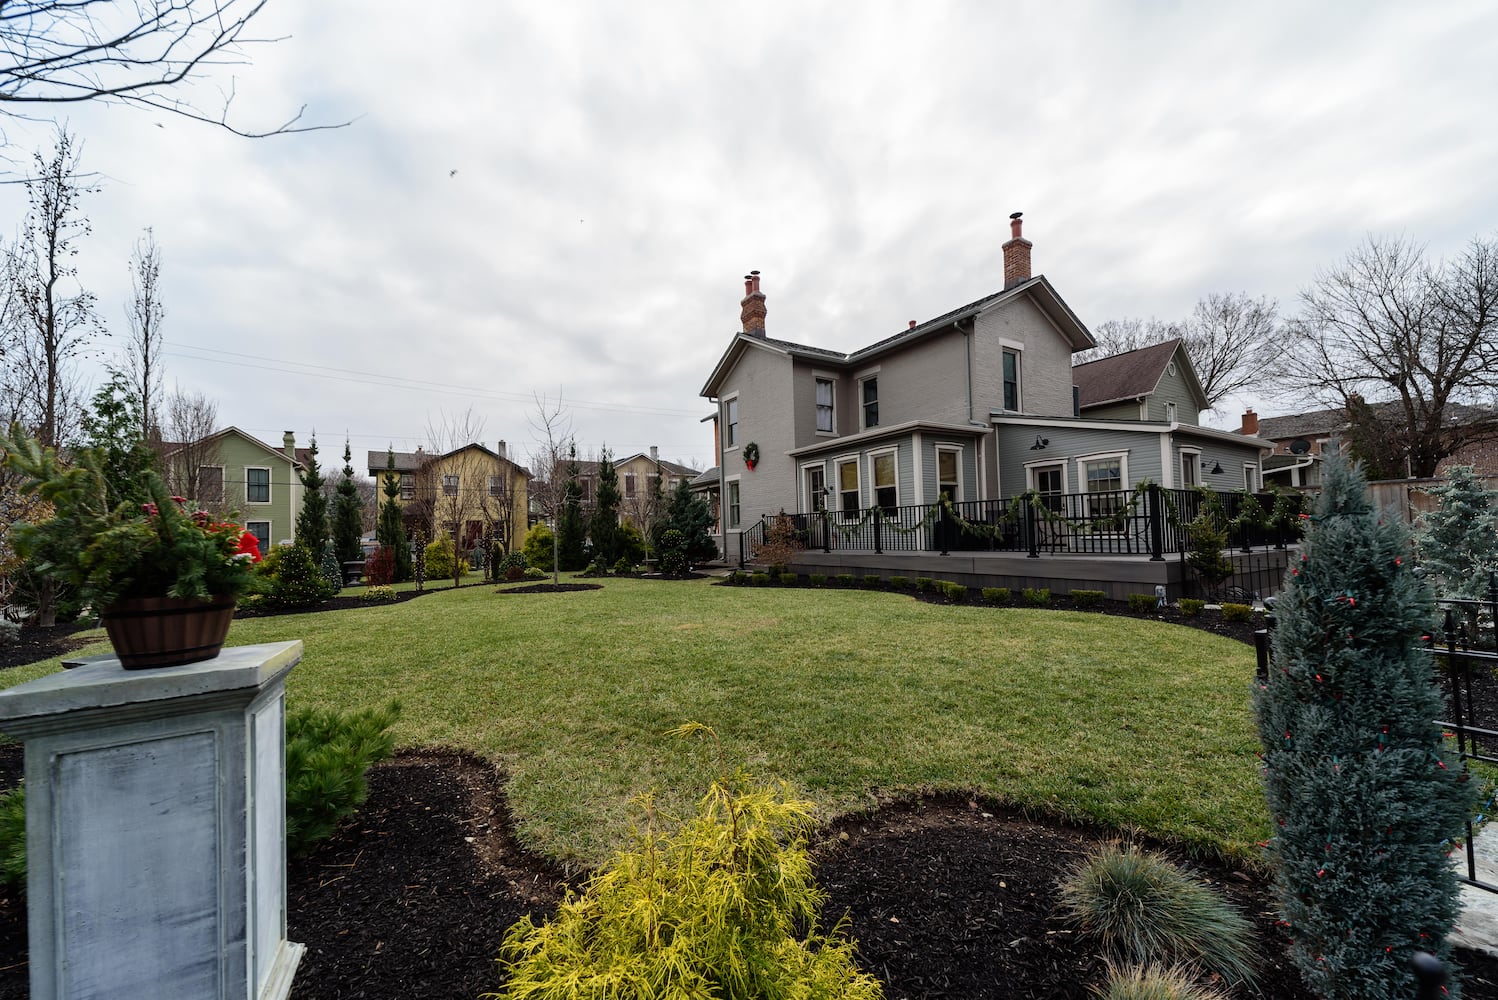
(1148, 520)
(1466, 652)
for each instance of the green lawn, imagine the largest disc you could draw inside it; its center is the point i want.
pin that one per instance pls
(853, 697)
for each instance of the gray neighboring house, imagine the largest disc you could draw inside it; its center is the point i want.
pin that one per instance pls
(979, 404)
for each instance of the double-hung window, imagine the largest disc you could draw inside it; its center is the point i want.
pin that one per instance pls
(1011, 380)
(733, 503)
(825, 423)
(210, 484)
(408, 485)
(869, 390)
(630, 485)
(847, 487)
(257, 485)
(886, 493)
(1102, 478)
(261, 531)
(731, 423)
(496, 486)
(449, 484)
(948, 484)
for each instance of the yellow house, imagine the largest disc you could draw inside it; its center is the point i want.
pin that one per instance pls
(473, 490)
(636, 474)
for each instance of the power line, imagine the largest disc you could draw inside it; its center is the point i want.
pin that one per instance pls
(279, 365)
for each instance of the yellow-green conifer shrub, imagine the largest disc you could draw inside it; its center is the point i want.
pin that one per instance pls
(723, 906)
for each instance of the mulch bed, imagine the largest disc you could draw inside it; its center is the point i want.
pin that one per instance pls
(948, 897)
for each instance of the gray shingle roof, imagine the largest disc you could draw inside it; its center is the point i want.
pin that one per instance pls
(1123, 376)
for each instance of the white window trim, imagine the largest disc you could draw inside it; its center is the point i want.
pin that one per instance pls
(732, 397)
(1123, 468)
(1196, 457)
(957, 450)
(859, 381)
(264, 521)
(837, 466)
(802, 492)
(873, 487)
(1030, 468)
(1007, 346)
(270, 485)
(1252, 469)
(1170, 413)
(457, 484)
(831, 380)
(728, 508)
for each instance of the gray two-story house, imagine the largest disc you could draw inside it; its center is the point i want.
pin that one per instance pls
(976, 405)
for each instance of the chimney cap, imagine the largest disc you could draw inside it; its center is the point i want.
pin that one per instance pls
(912, 324)
(1015, 215)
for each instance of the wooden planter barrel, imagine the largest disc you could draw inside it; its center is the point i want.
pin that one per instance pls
(167, 631)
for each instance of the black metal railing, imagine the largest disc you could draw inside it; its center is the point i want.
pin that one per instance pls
(1148, 520)
(1466, 650)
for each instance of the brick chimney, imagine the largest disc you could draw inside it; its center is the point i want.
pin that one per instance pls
(912, 324)
(1016, 254)
(752, 307)
(1250, 426)
(288, 444)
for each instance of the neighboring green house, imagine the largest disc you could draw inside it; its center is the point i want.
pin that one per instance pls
(234, 471)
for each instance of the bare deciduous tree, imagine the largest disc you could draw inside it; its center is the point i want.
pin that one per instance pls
(145, 315)
(147, 53)
(551, 430)
(1416, 341)
(190, 422)
(53, 315)
(1230, 339)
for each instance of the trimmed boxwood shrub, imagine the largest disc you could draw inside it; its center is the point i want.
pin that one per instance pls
(818, 579)
(873, 580)
(955, 592)
(1142, 602)
(1037, 596)
(846, 579)
(1191, 606)
(1087, 598)
(759, 579)
(789, 579)
(996, 595)
(1237, 612)
(924, 585)
(382, 592)
(899, 583)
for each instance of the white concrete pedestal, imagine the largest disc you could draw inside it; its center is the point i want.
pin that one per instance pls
(156, 828)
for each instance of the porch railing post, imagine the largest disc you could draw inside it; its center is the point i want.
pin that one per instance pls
(941, 528)
(826, 532)
(1031, 535)
(1156, 523)
(878, 535)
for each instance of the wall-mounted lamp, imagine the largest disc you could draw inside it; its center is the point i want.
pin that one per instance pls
(1040, 443)
(1216, 468)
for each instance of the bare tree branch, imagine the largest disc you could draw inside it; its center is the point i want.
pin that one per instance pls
(145, 315)
(140, 52)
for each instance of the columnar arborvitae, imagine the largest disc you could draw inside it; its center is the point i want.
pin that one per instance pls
(391, 530)
(348, 512)
(1363, 792)
(1458, 541)
(604, 528)
(570, 529)
(312, 522)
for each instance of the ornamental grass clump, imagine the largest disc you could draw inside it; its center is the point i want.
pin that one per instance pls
(1140, 908)
(1145, 982)
(721, 905)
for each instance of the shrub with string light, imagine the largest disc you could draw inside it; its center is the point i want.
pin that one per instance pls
(1365, 796)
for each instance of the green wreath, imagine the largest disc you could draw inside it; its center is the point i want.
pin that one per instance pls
(751, 455)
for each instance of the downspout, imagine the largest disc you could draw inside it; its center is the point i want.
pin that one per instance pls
(979, 466)
(722, 482)
(967, 350)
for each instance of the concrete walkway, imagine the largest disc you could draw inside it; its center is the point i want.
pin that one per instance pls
(1477, 927)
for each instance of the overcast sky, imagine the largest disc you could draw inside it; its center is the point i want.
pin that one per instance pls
(562, 198)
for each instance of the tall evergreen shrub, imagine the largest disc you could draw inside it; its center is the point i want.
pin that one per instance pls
(391, 529)
(1363, 792)
(348, 512)
(571, 532)
(312, 522)
(1458, 541)
(604, 528)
